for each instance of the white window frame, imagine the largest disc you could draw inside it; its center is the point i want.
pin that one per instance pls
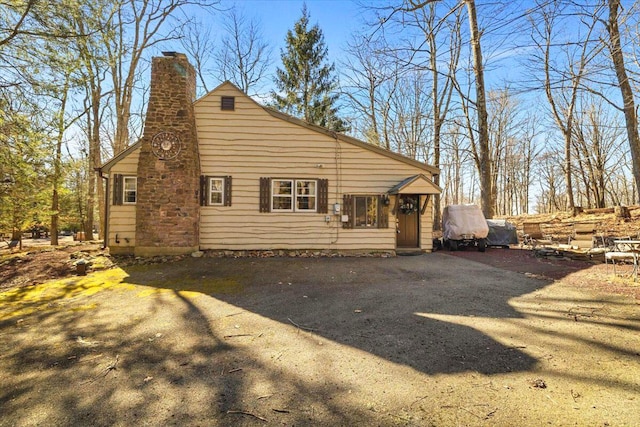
(212, 191)
(300, 196)
(294, 196)
(126, 191)
(289, 196)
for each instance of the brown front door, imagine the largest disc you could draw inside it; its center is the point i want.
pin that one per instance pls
(408, 215)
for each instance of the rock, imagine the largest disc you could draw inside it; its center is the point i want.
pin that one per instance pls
(197, 254)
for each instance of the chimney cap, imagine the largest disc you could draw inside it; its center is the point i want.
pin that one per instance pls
(170, 53)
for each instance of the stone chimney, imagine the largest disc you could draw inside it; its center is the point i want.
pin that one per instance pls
(167, 204)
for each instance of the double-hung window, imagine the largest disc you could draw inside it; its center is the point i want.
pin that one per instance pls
(125, 190)
(129, 189)
(294, 195)
(306, 195)
(216, 191)
(282, 195)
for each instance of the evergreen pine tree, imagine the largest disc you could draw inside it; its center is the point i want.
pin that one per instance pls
(307, 82)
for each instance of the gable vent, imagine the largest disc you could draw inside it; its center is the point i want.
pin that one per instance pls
(228, 103)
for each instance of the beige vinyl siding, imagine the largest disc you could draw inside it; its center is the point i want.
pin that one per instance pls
(122, 218)
(426, 225)
(249, 143)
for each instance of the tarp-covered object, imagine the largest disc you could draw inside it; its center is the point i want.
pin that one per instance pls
(501, 233)
(460, 222)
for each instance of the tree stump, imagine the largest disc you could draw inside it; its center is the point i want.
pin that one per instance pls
(622, 212)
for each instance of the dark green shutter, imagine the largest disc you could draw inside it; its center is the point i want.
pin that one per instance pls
(347, 209)
(323, 196)
(117, 189)
(265, 194)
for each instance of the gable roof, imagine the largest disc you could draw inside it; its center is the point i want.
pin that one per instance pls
(294, 120)
(417, 184)
(333, 134)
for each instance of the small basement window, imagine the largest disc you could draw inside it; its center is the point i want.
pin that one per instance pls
(228, 103)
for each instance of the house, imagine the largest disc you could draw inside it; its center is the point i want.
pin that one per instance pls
(225, 173)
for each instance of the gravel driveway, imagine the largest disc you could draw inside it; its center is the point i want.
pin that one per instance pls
(422, 340)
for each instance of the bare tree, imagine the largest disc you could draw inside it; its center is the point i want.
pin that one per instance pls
(244, 57)
(508, 142)
(551, 197)
(629, 108)
(487, 196)
(596, 138)
(367, 71)
(563, 81)
(137, 26)
(440, 93)
(198, 44)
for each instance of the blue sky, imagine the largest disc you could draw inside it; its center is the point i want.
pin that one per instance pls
(337, 19)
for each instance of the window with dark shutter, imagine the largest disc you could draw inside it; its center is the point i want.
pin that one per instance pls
(365, 211)
(215, 190)
(228, 103)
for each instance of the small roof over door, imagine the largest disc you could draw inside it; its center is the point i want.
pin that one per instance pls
(417, 184)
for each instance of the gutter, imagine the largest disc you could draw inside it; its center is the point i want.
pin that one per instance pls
(105, 225)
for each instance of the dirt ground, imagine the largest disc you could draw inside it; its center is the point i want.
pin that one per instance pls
(444, 339)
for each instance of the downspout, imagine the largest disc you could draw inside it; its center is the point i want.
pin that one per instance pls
(105, 225)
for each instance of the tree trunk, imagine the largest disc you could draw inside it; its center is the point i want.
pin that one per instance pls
(486, 193)
(631, 119)
(57, 165)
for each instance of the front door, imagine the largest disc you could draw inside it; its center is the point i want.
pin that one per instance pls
(408, 214)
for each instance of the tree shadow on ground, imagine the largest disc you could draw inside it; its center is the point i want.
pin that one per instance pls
(239, 341)
(371, 304)
(150, 356)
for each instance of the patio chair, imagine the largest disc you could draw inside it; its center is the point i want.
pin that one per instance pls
(584, 235)
(532, 235)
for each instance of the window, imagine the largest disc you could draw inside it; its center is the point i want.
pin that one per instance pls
(130, 189)
(282, 195)
(365, 211)
(216, 191)
(284, 199)
(125, 189)
(294, 195)
(305, 195)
